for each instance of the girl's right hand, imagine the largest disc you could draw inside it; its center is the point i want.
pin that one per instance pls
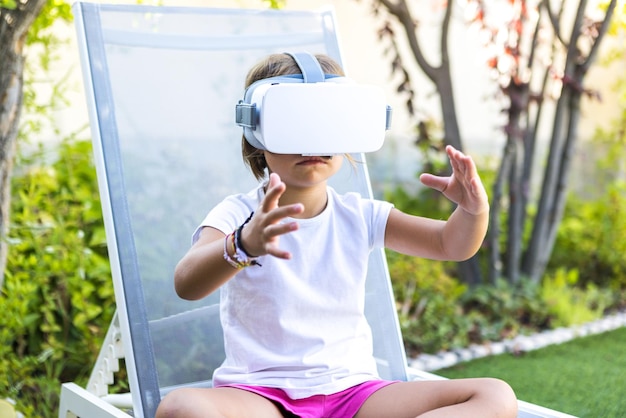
(262, 234)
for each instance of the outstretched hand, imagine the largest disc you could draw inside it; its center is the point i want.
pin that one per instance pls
(463, 187)
(262, 234)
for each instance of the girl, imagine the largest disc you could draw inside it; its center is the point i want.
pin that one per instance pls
(290, 258)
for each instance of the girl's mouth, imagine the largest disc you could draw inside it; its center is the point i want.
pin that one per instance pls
(315, 160)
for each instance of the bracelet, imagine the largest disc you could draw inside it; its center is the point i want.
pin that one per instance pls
(238, 243)
(240, 258)
(227, 256)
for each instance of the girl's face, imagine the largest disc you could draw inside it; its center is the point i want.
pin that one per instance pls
(298, 171)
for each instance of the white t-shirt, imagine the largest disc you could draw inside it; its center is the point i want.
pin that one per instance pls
(299, 324)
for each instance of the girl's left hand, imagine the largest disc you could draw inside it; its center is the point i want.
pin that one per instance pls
(463, 187)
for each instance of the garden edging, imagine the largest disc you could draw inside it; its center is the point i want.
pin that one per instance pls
(517, 345)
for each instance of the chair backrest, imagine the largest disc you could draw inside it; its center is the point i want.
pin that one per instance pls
(161, 85)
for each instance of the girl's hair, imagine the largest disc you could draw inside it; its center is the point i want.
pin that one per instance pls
(272, 66)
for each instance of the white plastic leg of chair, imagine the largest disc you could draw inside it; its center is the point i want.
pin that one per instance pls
(77, 402)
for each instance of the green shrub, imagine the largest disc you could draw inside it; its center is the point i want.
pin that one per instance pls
(426, 293)
(57, 300)
(592, 236)
(426, 202)
(427, 304)
(503, 310)
(569, 304)
(592, 239)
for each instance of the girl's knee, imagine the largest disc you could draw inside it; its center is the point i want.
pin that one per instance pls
(176, 404)
(502, 396)
(170, 405)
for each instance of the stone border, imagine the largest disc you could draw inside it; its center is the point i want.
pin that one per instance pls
(519, 344)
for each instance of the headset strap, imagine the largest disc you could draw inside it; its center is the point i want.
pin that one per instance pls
(311, 70)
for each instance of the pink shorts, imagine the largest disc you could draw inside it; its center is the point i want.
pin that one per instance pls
(342, 404)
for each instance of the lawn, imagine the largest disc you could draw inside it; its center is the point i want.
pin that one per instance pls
(585, 377)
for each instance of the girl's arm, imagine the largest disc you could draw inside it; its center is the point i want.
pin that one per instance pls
(462, 234)
(203, 269)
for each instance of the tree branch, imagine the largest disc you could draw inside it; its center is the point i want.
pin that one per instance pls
(445, 26)
(555, 20)
(601, 32)
(401, 11)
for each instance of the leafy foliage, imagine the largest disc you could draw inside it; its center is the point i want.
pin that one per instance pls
(41, 93)
(58, 297)
(592, 239)
(426, 294)
(8, 4)
(502, 310)
(437, 312)
(427, 299)
(572, 305)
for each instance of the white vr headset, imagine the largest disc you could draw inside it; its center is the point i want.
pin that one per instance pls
(313, 113)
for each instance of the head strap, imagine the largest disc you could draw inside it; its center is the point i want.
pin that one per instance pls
(309, 65)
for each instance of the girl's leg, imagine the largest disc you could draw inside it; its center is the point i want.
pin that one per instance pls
(484, 397)
(215, 403)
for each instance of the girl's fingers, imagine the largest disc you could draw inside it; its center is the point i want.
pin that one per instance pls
(276, 230)
(454, 157)
(275, 215)
(275, 189)
(275, 251)
(269, 206)
(267, 221)
(273, 233)
(434, 182)
(463, 165)
(477, 187)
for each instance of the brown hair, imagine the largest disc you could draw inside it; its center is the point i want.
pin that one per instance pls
(272, 66)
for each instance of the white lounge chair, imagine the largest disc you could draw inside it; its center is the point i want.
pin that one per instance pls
(161, 85)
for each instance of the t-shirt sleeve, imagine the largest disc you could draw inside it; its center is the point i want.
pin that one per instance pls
(379, 213)
(226, 216)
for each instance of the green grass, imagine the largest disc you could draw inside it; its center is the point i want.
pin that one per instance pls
(585, 377)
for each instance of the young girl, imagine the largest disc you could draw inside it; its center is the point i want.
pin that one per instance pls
(290, 258)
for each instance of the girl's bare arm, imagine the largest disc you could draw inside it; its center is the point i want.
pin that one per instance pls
(461, 235)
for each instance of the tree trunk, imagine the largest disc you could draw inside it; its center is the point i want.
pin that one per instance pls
(451, 130)
(564, 137)
(493, 237)
(14, 26)
(514, 176)
(469, 271)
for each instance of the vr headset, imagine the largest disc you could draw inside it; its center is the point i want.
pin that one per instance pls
(313, 113)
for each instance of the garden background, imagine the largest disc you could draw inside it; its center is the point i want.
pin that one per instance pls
(57, 298)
